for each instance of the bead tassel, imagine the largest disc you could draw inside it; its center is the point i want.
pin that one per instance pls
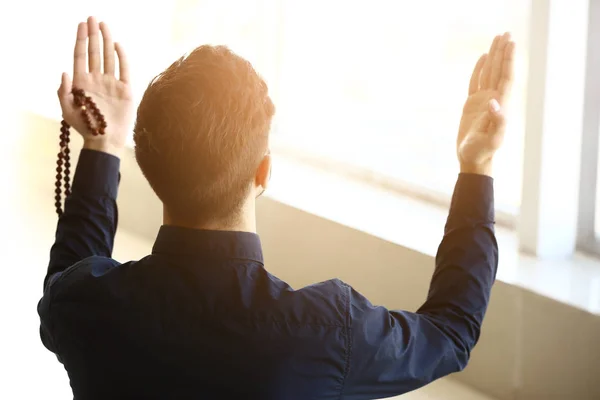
(88, 111)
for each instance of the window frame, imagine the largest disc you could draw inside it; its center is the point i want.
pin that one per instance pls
(587, 238)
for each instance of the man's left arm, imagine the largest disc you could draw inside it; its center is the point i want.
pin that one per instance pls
(89, 222)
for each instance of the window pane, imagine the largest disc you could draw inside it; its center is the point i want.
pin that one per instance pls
(381, 84)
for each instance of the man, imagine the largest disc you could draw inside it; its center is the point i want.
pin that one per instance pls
(201, 317)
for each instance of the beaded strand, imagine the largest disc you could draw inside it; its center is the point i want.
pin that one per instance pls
(88, 110)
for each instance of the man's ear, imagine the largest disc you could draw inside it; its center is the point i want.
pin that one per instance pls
(263, 174)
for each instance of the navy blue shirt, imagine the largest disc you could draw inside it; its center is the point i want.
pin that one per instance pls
(202, 318)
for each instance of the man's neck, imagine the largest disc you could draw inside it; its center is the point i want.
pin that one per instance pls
(246, 222)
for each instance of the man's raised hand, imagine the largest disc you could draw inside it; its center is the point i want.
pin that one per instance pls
(94, 72)
(483, 122)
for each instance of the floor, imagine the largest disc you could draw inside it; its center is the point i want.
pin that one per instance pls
(29, 370)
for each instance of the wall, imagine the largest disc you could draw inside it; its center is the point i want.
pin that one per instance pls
(531, 347)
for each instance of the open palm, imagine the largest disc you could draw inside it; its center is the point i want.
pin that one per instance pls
(112, 95)
(482, 125)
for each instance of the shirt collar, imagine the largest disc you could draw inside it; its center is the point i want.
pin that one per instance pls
(223, 244)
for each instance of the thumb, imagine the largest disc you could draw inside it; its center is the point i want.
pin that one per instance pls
(65, 87)
(496, 116)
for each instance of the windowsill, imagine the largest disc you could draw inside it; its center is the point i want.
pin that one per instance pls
(418, 225)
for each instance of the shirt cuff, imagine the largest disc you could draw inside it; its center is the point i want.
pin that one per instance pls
(472, 201)
(97, 174)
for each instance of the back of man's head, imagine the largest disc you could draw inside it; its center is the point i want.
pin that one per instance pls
(201, 132)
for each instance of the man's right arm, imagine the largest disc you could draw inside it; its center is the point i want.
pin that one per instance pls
(394, 352)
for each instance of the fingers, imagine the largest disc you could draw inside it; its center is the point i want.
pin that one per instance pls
(93, 45)
(496, 65)
(123, 63)
(476, 76)
(80, 55)
(486, 73)
(508, 72)
(90, 33)
(109, 50)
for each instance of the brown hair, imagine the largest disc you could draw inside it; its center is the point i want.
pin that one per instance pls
(201, 132)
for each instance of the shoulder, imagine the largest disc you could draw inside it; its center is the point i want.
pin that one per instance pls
(73, 285)
(330, 289)
(324, 303)
(84, 270)
(79, 280)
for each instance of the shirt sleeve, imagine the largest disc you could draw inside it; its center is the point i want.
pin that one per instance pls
(394, 352)
(86, 228)
(89, 222)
